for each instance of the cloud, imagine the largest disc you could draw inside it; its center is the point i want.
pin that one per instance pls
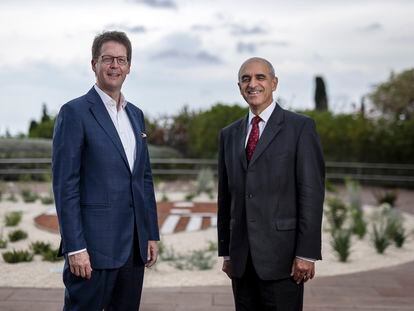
(187, 56)
(240, 30)
(371, 27)
(243, 47)
(184, 49)
(130, 29)
(252, 47)
(199, 27)
(165, 4)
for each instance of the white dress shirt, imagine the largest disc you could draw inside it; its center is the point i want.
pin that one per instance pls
(264, 116)
(123, 127)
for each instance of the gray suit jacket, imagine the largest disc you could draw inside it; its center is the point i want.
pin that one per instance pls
(273, 205)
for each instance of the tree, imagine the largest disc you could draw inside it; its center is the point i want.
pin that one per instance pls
(395, 97)
(43, 128)
(204, 128)
(321, 99)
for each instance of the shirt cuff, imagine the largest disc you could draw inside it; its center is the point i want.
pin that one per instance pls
(307, 259)
(225, 258)
(77, 252)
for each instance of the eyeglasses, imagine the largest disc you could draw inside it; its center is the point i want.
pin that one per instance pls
(108, 59)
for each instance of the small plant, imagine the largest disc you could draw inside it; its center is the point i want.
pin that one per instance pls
(329, 186)
(380, 237)
(40, 247)
(341, 244)
(3, 243)
(29, 196)
(164, 197)
(205, 181)
(386, 196)
(12, 219)
(47, 200)
(167, 253)
(201, 260)
(12, 198)
(189, 197)
(336, 213)
(17, 235)
(212, 246)
(359, 225)
(51, 255)
(394, 226)
(17, 256)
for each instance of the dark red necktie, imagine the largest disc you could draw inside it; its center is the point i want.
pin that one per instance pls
(253, 138)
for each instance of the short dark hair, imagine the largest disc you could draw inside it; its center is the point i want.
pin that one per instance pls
(106, 36)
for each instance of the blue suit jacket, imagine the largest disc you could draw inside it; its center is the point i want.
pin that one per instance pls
(98, 198)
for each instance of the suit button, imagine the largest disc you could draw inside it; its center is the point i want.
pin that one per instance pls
(250, 195)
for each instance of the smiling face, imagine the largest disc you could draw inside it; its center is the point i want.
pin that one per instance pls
(257, 84)
(110, 77)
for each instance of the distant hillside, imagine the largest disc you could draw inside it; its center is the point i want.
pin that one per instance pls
(41, 148)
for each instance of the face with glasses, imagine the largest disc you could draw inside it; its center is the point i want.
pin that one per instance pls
(111, 68)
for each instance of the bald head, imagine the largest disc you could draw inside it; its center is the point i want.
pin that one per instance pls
(265, 62)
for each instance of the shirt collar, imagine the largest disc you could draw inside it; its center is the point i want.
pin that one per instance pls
(265, 115)
(108, 100)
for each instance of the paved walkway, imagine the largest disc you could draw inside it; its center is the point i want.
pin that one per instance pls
(376, 290)
(387, 289)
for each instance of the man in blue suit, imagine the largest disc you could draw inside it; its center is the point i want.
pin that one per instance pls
(103, 188)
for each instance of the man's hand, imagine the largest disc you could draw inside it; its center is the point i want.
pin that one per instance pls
(227, 267)
(152, 253)
(302, 270)
(80, 265)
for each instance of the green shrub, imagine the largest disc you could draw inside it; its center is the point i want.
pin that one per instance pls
(212, 246)
(166, 253)
(3, 243)
(359, 225)
(379, 237)
(336, 213)
(51, 255)
(386, 196)
(201, 260)
(341, 244)
(399, 237)
(394, 226)
(29, 196)
(47, 200)
(40, 247)
(17, 256)
(12, 219)
(329, 186)
(17, 235)
(12, 198)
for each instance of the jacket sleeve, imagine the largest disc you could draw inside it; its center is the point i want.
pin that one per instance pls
(310, 176)
(151, 205)
(223, 203)
(67, 149)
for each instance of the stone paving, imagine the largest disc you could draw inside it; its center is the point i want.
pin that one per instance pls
(375, 290)
(387, 289)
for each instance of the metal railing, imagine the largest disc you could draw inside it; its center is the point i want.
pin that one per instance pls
(381, 173)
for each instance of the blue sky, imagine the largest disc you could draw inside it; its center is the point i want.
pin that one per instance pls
(189, 51)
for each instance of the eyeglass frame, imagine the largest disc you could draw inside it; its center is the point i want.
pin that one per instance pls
(112, 58)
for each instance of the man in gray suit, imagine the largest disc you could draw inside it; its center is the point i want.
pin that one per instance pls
(270, 197)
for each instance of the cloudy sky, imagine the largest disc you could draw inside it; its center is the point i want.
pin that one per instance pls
(189, 51)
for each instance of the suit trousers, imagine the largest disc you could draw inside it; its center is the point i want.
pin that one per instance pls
(108, 289)
(253, 294)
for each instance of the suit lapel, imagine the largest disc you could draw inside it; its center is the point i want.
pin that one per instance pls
(137, 127)
(241, 141)
(273, 126)
(102, 117)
